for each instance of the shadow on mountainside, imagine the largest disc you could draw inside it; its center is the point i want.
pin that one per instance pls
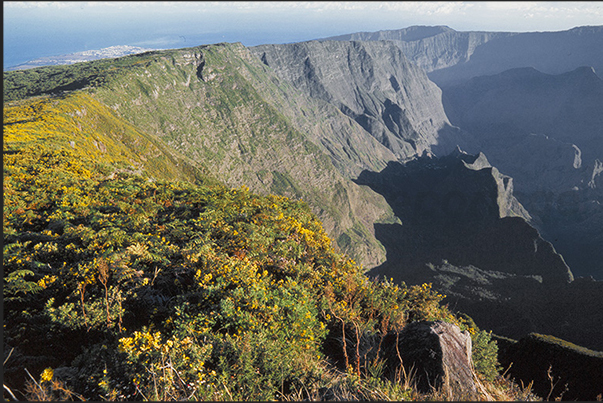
(496, 269)
(451, 209)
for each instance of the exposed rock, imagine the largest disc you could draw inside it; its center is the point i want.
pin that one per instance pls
(461, 209)
(371, 82)
(565, 107)
(430, 47)
(597, 170)
(549, 52)
(437, 355)
(451, 56)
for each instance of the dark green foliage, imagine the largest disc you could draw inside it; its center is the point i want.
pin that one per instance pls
(485, 355)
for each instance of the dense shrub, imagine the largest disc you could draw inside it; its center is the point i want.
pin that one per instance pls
(163, 290)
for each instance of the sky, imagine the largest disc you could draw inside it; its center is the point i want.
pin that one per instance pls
(37, 29)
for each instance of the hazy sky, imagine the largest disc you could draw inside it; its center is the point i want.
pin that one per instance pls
(35, 29)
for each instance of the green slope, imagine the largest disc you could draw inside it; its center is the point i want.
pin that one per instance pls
(122, 283)
(92, 131)
(220, 106)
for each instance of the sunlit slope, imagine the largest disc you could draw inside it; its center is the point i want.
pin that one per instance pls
(56, 79)
(220, 106)
(118, 271)
(91, 131)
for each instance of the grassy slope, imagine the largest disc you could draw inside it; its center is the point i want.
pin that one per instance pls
(241, 295)
(236, 117)
(93, 131)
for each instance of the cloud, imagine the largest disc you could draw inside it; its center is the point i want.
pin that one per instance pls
(37, 4)
(340, 16)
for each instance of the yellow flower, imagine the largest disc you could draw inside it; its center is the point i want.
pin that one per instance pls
(47, 375)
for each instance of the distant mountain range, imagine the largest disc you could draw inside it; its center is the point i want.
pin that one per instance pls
(79, 57)
(450, 56)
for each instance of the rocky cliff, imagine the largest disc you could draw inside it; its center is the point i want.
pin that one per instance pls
(430, 47)
(546, 132)
(451, 56)
(548, 52)
(462, 229)
(371, 82)
(461, 209)
(531, 102)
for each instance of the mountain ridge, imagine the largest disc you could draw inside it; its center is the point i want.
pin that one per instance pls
(450, 56)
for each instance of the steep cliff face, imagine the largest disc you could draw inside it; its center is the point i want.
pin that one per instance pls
(460, 209)
(548, 52)
(565, 107)
(372, 83)
(546, 132)
(451, 57)
(531, 102)
(462, 229)
(430, 47)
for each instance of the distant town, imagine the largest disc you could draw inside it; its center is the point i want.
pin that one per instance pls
(78, 57)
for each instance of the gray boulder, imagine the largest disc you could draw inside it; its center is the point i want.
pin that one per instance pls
(436, 355)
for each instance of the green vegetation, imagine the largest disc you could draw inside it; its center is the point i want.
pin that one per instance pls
(220, 107)
(91, 130)
(120, 284)
(565, 345)
(56, 79)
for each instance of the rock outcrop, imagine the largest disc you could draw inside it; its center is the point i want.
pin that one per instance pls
(436, 355)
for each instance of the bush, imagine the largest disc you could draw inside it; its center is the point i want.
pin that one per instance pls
(163, 290)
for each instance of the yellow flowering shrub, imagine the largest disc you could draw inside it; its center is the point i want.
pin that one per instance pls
(46, 375)
(163, 290)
